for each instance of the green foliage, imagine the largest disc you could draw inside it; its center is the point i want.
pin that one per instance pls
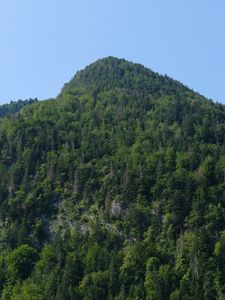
(21, 262)
(7, 110)
(113, 190)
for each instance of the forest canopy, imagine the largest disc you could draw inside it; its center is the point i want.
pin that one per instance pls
(113, 190)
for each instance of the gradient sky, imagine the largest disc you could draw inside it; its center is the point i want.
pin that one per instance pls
(44, 42)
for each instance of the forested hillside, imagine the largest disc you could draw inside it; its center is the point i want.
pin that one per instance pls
(114, 190)
(13, 107)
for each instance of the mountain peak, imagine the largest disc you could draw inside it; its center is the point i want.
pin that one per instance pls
(112, 72)
(107, 73)
(113, 191)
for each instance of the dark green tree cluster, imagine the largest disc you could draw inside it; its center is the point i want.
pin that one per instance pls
(114, 190)
(13, 107)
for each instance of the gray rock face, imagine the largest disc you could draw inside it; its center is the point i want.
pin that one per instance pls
(116, 209)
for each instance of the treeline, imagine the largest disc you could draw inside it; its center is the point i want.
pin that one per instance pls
(14, 106)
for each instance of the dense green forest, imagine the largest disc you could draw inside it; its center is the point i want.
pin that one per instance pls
(13, 107)
(114, 190)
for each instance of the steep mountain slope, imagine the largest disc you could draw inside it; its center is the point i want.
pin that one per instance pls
(114, 190)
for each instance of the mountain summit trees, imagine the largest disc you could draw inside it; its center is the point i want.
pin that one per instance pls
(113, 190)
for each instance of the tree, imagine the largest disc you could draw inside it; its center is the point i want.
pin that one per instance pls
(21, 262)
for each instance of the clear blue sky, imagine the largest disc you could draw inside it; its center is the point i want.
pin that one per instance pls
(44, 42)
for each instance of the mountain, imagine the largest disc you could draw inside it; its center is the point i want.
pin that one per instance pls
(114, 190)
